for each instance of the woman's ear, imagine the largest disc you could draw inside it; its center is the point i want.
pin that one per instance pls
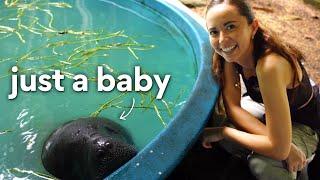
(255, 26)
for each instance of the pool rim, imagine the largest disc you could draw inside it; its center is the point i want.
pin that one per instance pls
(159, 157)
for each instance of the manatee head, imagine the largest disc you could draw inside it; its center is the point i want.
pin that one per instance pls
(87, 148)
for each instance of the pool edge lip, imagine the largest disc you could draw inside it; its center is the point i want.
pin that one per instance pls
(162, 154)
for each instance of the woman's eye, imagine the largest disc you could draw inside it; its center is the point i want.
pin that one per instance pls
(214, 33)
(230, 26)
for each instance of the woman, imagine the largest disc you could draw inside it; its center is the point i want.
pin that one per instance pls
(274, 76)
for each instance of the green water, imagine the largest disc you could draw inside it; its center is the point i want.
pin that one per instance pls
(43, 38)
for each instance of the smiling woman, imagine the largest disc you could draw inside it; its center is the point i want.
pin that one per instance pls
(230, 33)
(283, 138)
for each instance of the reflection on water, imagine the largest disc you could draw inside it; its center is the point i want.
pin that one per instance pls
(75, 36)
(23, 121)
(28, 135)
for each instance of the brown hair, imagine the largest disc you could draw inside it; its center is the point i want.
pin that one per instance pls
(263, 41)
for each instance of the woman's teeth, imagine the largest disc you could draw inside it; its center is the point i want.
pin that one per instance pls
(228, 49)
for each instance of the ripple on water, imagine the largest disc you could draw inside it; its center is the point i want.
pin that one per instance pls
(29, 138)
(21, 118)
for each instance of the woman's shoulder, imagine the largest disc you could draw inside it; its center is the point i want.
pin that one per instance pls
(272, 62)
(274, 65)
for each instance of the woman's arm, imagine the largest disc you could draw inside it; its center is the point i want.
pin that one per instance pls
(274, 75)
(241, 118)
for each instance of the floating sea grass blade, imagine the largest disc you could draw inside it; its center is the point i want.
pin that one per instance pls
(167, 106)
(5, 132)
(177, 99)
(133, 53)
(6, 36)
(32, 30)
(49, 13)
(151, 104)
(7, 29)
(10, 3)
(60, 4)
(152, 98)
(159, 115)
(68, 74)
(106, 105)
(30, 172)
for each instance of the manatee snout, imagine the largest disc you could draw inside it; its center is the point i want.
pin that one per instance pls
(87, 148)
(109, 153)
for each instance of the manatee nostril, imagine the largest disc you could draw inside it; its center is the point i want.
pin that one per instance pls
(78, 132)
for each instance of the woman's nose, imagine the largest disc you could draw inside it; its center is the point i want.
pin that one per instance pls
(222, 37)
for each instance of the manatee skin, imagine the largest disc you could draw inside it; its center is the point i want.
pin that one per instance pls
(87, 148)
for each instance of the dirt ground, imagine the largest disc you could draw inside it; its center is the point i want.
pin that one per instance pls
(294, 21)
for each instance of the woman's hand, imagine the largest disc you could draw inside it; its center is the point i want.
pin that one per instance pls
(296, 160)
(211, 135)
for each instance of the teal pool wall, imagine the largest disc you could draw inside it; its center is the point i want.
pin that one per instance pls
(165, 151)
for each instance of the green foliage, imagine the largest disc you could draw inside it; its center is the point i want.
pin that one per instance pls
(315, 3)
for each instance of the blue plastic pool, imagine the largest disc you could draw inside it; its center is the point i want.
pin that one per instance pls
(159, 36)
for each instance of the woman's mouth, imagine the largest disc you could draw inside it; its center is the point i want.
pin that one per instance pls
(229, 49)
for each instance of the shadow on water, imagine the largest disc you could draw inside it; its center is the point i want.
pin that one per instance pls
(216, 163)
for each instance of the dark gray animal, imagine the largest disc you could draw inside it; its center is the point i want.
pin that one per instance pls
(87, 148)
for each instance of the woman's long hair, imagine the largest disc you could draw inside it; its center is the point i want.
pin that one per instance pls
(263, 41)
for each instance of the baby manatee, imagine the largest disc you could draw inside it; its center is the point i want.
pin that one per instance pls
(87, 148)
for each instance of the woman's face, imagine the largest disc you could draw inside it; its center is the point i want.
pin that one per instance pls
(230, 33)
